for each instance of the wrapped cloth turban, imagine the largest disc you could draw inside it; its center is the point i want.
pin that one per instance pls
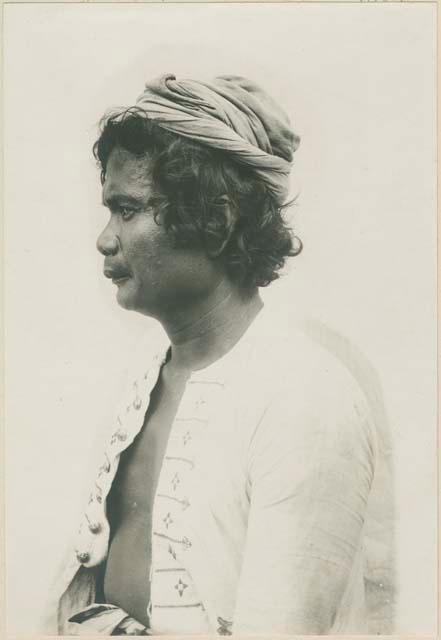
(229, 113)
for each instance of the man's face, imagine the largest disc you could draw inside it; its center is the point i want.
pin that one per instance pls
(152, 277)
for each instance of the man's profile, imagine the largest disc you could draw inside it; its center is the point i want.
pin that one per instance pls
(236, 491)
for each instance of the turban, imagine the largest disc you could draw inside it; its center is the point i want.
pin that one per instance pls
(229, 113)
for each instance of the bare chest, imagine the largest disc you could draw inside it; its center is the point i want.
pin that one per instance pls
(130, 503)
(140, 464)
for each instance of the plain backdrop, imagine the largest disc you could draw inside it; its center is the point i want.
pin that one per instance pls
(358, 81)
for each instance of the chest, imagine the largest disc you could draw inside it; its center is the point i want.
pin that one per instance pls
(179, 476)
(133, 489)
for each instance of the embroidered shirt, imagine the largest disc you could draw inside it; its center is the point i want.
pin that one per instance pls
(175, 606)
(279, 476)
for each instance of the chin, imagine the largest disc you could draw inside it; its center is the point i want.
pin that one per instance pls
(129, 302)
(125, 298)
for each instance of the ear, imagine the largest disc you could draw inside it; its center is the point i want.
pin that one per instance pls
(226, 211)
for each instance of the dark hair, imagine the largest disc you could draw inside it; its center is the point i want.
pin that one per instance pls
(191, 182)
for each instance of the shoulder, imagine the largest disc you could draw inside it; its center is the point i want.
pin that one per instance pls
(289, 364)
(303, 392)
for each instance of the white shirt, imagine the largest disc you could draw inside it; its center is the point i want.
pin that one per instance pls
(287, 523)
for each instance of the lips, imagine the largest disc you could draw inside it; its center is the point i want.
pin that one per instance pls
(116, 274)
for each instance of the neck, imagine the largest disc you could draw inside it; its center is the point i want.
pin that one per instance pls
(206, 331)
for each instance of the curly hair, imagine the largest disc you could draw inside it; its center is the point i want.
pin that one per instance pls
(192, 185)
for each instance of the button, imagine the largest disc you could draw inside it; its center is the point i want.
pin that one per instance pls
(83, 556)
(95, 527)
(105, 466)
(121, 435)
(137, 403)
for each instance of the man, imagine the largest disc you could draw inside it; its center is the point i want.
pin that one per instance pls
(236, 487)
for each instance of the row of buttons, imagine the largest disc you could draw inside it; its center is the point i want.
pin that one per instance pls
(120, 435)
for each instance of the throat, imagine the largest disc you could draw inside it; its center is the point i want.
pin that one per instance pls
(208, 334)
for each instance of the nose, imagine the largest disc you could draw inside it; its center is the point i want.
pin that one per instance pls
(107, 242)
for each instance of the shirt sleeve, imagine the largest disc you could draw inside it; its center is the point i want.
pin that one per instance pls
(310, 470)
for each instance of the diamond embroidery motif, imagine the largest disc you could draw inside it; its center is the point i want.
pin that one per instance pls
(175, 481)
(168, 520)
(180, 587)
(186, 437)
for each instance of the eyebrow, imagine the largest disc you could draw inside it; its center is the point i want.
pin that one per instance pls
(117, 199)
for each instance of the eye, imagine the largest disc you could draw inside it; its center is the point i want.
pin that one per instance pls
(126, 212)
